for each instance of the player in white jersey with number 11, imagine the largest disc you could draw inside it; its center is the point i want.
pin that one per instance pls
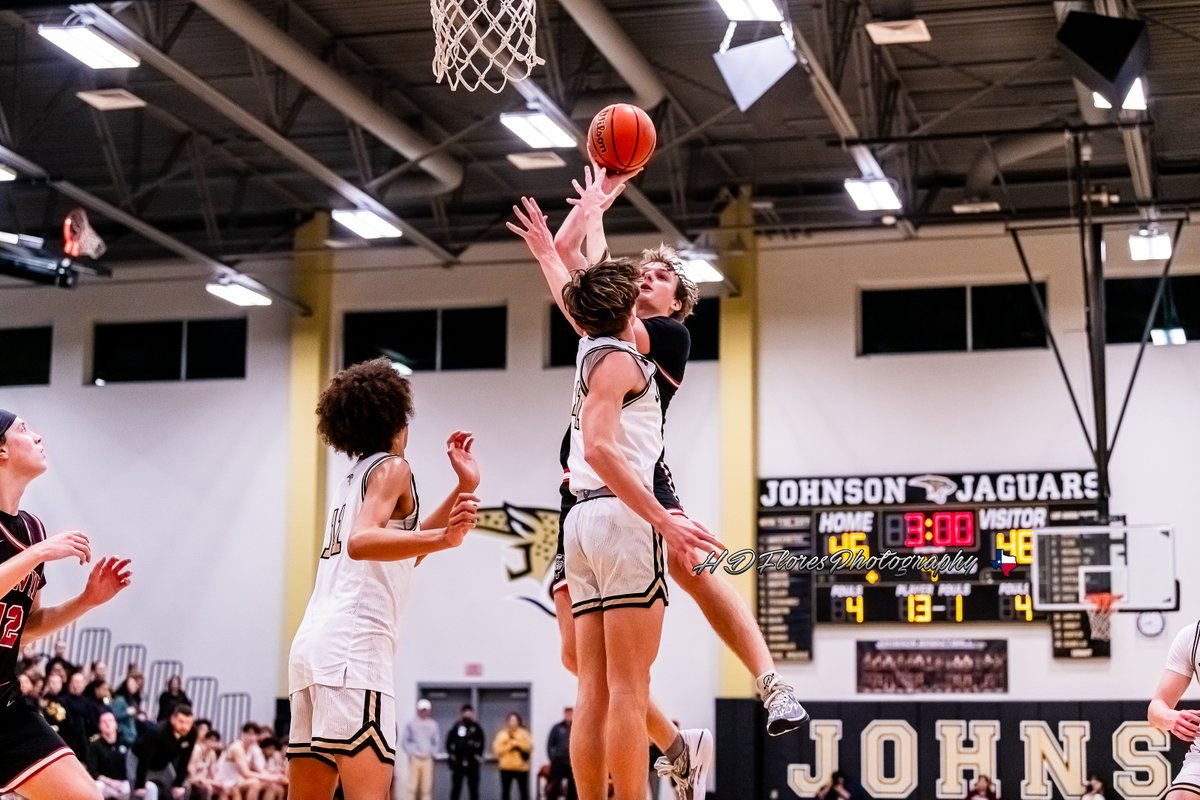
(340, 673)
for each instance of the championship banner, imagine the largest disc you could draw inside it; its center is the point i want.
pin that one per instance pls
(934, 750)
(943, 666)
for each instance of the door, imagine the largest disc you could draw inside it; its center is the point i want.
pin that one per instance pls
(492, 703)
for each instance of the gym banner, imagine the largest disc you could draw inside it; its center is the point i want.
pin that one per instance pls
(933, 750)
(942, 666)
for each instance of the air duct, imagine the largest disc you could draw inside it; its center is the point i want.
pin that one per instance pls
(327, 84)
(613, 42)
(995, 157)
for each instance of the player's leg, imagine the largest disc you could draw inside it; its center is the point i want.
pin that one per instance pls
(365, 776)
(312, 776)
(566, 628)
(588, 752)
(370, 719)
(61, 779)
(631, 637)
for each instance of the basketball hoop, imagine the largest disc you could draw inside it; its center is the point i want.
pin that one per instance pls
(78, 237)
(1100, 615)
(484, 42)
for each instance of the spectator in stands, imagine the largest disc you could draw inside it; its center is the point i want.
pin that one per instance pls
(274, 768)
(163, 755)
(30, 659)
(235, 771)
(37, 682)
(202, 768)
(99, 695)
(171, 697)
(464, 744)
(838, 787)
(421, 741)
(52, 704)
(513, 747)
(982, 790)
(80, 713)
(59, 659)
(98, 671)
(1095, 789)
(558, 748)
(127, 708)
(107, 760)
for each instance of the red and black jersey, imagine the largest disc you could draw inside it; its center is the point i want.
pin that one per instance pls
(17, 533)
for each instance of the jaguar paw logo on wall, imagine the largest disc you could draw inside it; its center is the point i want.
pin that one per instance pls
(533, 534)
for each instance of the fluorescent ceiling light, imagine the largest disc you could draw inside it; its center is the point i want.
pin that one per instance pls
(701, 270)
(84, 44)
(7, 174)
(1160, 337)
(111, 99)
(904, 31)
(976, 207)
(545, 159)
(873, 194)
(1149, 244)
(230, 291)
(366, 224)
(1134, 101)
(34, 242)
(751, 10)
(538, 130)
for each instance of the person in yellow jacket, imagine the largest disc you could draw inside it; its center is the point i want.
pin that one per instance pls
(513, 747)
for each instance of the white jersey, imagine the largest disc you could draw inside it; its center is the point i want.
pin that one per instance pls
(1184, 658)
(641, 431)
(348, 635)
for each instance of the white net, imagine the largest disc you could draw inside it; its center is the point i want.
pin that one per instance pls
(1100, 616)
(79, 239)
(484, 42)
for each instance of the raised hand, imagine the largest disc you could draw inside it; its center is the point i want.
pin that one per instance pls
(108, 578)
(534, 229)
(462, 518)
(458, 448)
(598, 191)
(68, 544)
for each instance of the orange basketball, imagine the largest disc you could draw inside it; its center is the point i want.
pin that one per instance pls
(621, 138)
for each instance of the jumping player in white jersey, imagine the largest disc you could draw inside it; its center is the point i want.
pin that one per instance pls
(1183, 664)
(340, 673)
(34, 760)
(614, 535)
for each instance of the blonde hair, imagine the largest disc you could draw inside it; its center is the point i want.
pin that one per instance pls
(686, 291)
(600, 299)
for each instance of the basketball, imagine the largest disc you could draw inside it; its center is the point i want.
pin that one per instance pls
(621, 138)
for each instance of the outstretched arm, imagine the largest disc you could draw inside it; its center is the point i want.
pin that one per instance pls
(373, 540)
(536, 233)
(107, 578)
(580, 240)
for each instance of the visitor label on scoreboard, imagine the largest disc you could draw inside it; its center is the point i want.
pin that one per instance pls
(870, 544)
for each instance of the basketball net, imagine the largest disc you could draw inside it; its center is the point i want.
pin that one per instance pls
(484, 42)
(78, 237)
(1100, 615)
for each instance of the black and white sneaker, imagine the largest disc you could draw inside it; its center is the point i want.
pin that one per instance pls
(689, 772)
(784, 712)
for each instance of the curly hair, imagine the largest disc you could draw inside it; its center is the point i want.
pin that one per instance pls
(686, 291)
(600, 299)
(364, 407)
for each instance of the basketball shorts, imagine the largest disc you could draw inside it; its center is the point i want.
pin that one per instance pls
(664, 492)
(1188, 778)
(614, 559)
(27, 745)
(331, 721)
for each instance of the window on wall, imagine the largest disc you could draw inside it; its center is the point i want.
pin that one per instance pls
(429, 339)
(1127, 303)
(949, 319)
(125, 352)
(704, 325)
(26, 356)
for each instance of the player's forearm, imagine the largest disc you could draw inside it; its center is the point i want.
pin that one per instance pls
(46, 621)
(570, 239)
(596, 244)
(17, 568)
(389, 544)
(440, 516)
(612, 468)
(1160, 715)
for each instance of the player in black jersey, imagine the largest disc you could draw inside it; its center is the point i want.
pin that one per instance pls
(667, 298)
(33, 758)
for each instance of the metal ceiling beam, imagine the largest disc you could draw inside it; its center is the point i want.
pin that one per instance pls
(128, 38)
(164, 240)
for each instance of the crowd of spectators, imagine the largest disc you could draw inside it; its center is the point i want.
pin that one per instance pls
(133, 755)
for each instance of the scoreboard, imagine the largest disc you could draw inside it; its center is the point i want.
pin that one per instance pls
(905, 549)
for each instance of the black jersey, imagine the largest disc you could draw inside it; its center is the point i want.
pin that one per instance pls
(17, 533)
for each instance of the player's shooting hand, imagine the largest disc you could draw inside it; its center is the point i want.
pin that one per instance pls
(534, 229)
(597, 192)
(68, 544)
(108, 577)
(1186, 725)
(690, 538)
(462, 518)
(458, 448)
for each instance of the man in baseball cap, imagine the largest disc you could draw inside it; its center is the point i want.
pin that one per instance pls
(420, 742)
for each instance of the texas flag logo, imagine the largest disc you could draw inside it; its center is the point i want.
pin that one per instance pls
(1004, 562)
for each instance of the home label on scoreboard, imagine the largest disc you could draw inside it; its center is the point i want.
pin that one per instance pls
(906, 549)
